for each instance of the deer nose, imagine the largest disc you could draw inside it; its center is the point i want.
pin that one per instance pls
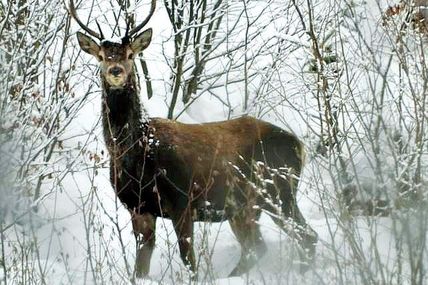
(116, 70)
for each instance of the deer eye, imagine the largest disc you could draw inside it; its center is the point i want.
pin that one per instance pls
(100, 57)
(130, 56)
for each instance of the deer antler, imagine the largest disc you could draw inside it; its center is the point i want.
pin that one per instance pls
(143, 23)
(73, 13)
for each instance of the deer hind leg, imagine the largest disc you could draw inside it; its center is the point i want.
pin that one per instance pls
(183, 226)
(144, 226)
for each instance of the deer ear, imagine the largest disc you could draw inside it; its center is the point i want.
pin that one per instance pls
(87, 44)
(141, 41)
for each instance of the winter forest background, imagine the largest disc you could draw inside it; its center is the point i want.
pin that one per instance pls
(349, 78)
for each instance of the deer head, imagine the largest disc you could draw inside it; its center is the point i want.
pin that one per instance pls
(116, 59)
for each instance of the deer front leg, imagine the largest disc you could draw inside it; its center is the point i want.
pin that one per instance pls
(244, 226)
(183, 227)
(144, 226)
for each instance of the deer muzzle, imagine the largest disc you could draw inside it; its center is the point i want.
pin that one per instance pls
(116, 76)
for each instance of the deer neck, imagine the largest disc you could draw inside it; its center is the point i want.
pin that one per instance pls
(125, 122)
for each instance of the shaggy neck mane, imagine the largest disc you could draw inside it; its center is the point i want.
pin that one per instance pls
(125, 122)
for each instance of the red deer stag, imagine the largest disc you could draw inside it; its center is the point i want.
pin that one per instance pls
(229, 170)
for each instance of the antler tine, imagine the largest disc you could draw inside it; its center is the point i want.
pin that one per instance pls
(146, 20)
(128, 25)
(126, 39)
(83, 26)
(99, 29)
